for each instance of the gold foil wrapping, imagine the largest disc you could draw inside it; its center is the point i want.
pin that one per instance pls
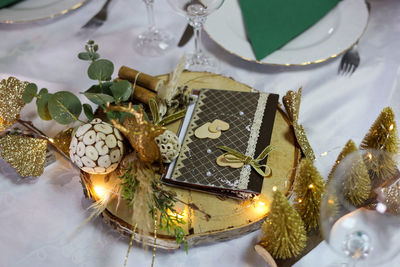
(25, 154)
(291, 101)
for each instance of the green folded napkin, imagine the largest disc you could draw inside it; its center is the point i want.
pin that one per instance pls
(271, 24)
(4, 3)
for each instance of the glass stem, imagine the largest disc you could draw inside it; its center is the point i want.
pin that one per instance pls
(150, 15)
(197, 41)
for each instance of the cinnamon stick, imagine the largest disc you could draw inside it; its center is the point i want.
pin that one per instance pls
(142, 94)
(143, 79)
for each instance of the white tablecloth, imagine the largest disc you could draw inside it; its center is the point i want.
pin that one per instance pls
(39, 216)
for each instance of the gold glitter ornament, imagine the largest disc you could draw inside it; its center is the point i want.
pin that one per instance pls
(25, 154)
(11, 103)
(291, 101)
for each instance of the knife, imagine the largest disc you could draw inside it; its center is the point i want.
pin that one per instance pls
(186, 36)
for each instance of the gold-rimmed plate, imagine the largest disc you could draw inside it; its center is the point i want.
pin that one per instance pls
(35, 10)
(335, 33)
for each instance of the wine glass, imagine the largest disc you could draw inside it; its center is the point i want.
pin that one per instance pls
(153, 42)
(196, 11)
(358, 219)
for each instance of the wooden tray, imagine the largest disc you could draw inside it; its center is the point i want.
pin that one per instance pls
(229, 218)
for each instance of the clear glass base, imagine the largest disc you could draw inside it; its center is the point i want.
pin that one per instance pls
(154, 43)
(201, 62)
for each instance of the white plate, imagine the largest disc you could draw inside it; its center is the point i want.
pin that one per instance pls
(35, 10)
(336, 32)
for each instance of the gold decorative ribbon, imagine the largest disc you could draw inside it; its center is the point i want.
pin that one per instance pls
(291, 101)
(167, 119)
(236, 156)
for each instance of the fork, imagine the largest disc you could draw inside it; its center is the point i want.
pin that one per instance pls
(98, 19)
(349, 62)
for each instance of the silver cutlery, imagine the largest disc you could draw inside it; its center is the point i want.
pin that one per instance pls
(349, 62)
(186, 36)
(98, 19)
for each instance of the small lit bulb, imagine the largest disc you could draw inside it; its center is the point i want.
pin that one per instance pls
(100, 191)
(331, 201)
(391, 127)
(324, 154)
(261, 208)
(311, 186)
(369, 155)
(51, 140)
(274, 188)
(300, 200)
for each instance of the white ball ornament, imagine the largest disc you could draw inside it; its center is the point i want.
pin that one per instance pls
(97, 147)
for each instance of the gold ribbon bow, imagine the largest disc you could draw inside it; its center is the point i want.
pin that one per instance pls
(235, 156)
(291, 101)
(167, 119)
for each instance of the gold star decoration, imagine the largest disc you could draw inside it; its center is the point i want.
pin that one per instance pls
(25, 154)
(11, 103)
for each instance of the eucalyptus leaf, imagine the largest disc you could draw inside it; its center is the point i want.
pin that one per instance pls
(99, 99)
(88, 111)
(123, 115)
(64, 107)
(104, 88)
(121, 90)
(95, 56)
(101, 70)
(42, 104)
(29, 93)
(84, 56)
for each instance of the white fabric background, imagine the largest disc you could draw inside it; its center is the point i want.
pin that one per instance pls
(38, 216)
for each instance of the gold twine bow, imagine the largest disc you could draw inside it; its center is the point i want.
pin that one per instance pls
(291, 101)
(235, 156)
(167, 119)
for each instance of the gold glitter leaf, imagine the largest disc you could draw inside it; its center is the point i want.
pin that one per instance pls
(25, 154)
(11, 103)
(63, 139)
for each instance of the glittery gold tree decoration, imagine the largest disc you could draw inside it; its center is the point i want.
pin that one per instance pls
(348, 148)
(382, 136)
(308, 188)
(356, 181)
(11, 103)
(25, 154)
(284, 234)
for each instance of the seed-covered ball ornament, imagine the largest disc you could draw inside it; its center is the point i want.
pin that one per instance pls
(97, 147)
(169, 146)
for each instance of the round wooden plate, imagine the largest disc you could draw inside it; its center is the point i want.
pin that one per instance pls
(229, 218)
